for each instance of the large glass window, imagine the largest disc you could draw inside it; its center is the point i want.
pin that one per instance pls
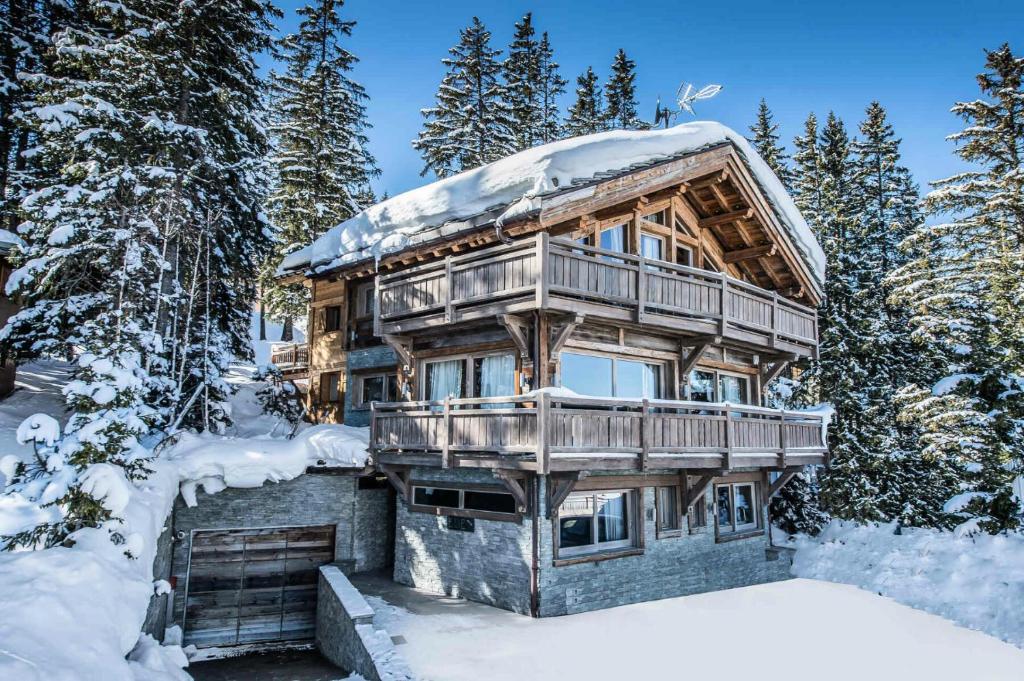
(652, 247)
(733, 389)
(736, 506)
(607, 376)
(491, 375)
(377, 388)
(591, 522)
(494, 376)
(702, 386)
(707, 385)
(614, 239)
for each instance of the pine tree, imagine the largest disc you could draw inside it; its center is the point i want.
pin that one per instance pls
(551, 87)
(806, 181)
(144, 237)
(471, 123)
(318, 125)
(522, 79)
(965, 284)
(620, 95)
(586, 116)
(765, 141)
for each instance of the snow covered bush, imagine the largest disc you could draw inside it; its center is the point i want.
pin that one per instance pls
(279, 397)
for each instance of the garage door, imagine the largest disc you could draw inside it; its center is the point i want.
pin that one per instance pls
(248, 586)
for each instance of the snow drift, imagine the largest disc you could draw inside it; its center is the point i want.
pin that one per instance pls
(977, 582)
(515, 184)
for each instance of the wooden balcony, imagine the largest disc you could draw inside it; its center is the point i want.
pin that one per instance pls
(556, 274)
(549, 433)
(291, 358)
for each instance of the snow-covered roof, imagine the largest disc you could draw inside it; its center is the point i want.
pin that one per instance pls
(8, 240)
(516, 184)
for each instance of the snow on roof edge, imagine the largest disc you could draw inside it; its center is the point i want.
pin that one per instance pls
(525, 177)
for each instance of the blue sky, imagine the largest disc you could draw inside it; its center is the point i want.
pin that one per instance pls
(915, 57)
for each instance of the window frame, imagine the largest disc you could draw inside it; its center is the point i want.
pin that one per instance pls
(717, 384)
(601, 550)
(327, 311)
(461, 511)
(363, 311)
(661, 530)
(739, 531)
(662, 367)
(468, 371)
(326, 390)
(359, 387)
(697, 515)
(661, 239)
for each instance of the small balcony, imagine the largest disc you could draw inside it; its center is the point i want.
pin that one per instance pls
(291, 358)
(556, 274)
(547, 433)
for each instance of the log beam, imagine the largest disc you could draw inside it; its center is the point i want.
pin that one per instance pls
(751, 253)
(697, 491)
(515, 487)
(559, 489)
(779, 483)
(726, 218)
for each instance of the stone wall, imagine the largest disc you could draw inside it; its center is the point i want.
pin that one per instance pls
(379, 357)
(373, 539)
(345, 633)
(310, 499)
(668, 567)
(489, 565)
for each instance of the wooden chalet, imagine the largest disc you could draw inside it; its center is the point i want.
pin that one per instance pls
(589, 366)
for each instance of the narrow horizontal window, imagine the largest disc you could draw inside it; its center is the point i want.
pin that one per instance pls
(433, 496)
(472, 500)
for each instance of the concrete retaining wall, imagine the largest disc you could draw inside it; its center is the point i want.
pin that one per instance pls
(345, 634)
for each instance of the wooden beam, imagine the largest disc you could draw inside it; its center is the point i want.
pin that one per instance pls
(726, 218)
(769, 372)
(562, 334)
(518, 329)
(402, 347)
(792, 292)
(690, 361)
(515, 487)
(398, 478)
(559, 488)
(786, 476)
(730, 257)
(697, 491)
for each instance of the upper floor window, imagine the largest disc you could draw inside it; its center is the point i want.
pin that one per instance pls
(487, 375)
(330, 387)
(366, 300)
(614, 239)
(708, 385)
(652, 246)
(332, 318)
(376, 388)
(609, 376)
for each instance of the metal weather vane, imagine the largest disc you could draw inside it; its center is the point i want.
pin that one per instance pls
(686, 95)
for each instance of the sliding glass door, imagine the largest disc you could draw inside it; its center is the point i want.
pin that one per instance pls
(608, 376)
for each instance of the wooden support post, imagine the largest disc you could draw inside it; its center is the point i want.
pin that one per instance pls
(773, 337)
(398, 480)
(559, 488)
(782, 441)
(518, 330)
(724, 321)
(641, 289)
(449, 293)
(645, 433)
(542, 270)
(728, 439)
(688, 362)
(446, 440)
(543, 447)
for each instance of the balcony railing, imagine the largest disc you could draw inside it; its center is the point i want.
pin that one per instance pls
(290, 357)
(557, 274)
(550, 433)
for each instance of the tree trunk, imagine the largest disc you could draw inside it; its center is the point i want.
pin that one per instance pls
(263, 321)
(287, 333)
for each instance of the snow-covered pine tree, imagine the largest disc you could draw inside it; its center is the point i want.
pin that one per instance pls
(620, 95)
(806, 179)
(522, 80)
(765, 141)
(586, 116)
(470, 124)
(965, 285)
(551, 87)
(911, 488)
(321, 161)
(144, 236)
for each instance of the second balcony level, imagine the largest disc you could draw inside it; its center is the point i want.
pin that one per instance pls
(559, 274)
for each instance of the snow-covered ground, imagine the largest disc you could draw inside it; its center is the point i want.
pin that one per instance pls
(798, 630)
(37, 391)
(977, 582)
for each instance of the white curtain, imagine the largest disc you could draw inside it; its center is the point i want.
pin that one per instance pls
(445, 379)
(612, 517)
(614, 239)
(497, 377)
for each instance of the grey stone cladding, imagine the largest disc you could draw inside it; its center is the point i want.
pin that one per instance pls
(379, 357)
(323, 498)
(489, 565)
(671, 566)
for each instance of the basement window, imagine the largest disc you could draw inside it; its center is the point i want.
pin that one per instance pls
(669, 518)
(736, 508)
(597, 522)
(473, 502)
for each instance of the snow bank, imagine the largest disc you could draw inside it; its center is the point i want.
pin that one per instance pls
(517, 182)
(977, 582)
(76, 613)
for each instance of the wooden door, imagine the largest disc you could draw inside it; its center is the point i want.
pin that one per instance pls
(252, 586)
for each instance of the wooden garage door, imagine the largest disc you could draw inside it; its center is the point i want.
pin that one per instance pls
(248, 586)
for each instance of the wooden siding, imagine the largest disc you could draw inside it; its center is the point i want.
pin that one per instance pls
(557, 274)
(554, 432)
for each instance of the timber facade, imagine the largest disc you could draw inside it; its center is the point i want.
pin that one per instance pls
(580, 386)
